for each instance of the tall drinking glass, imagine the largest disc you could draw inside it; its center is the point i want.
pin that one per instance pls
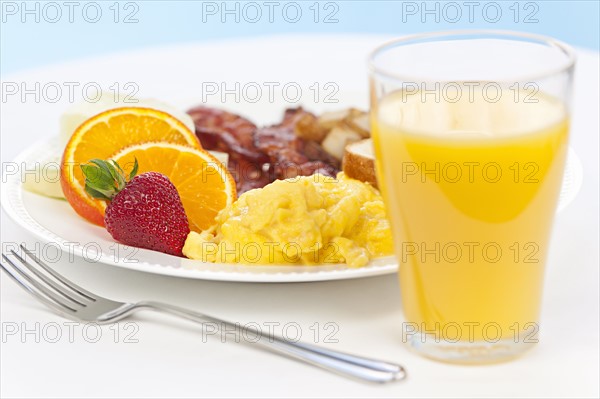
(470, 130)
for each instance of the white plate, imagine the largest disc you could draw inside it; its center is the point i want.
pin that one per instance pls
(183, 72)
(54, 222)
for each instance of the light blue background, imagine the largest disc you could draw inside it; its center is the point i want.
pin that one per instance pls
(31, 43)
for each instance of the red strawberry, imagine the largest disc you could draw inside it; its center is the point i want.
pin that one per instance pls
(143, 211)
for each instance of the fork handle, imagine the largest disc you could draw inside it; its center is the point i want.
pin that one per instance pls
(357, 367)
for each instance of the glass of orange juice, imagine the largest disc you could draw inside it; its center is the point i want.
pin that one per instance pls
(470, 130)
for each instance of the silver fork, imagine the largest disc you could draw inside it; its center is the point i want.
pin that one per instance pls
(76, 303)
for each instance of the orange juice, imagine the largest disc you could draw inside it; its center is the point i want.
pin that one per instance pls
(471, 188)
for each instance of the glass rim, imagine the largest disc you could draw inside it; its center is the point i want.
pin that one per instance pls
(548, 41)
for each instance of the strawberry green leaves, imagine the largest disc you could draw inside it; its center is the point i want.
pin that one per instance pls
(104, 179)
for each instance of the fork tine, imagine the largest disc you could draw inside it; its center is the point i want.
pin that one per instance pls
(61, 289)
(59, 277)
(21, 279)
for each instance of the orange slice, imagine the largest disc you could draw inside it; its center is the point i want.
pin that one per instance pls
(203, 182)
(104, 135)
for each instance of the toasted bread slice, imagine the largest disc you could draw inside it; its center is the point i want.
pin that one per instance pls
(359, 162)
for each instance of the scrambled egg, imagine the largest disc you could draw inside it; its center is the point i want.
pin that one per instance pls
(304, 220)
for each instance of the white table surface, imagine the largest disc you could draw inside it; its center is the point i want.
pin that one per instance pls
(171, 359)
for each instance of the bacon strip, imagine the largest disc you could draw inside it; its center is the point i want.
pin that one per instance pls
(258, 156)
